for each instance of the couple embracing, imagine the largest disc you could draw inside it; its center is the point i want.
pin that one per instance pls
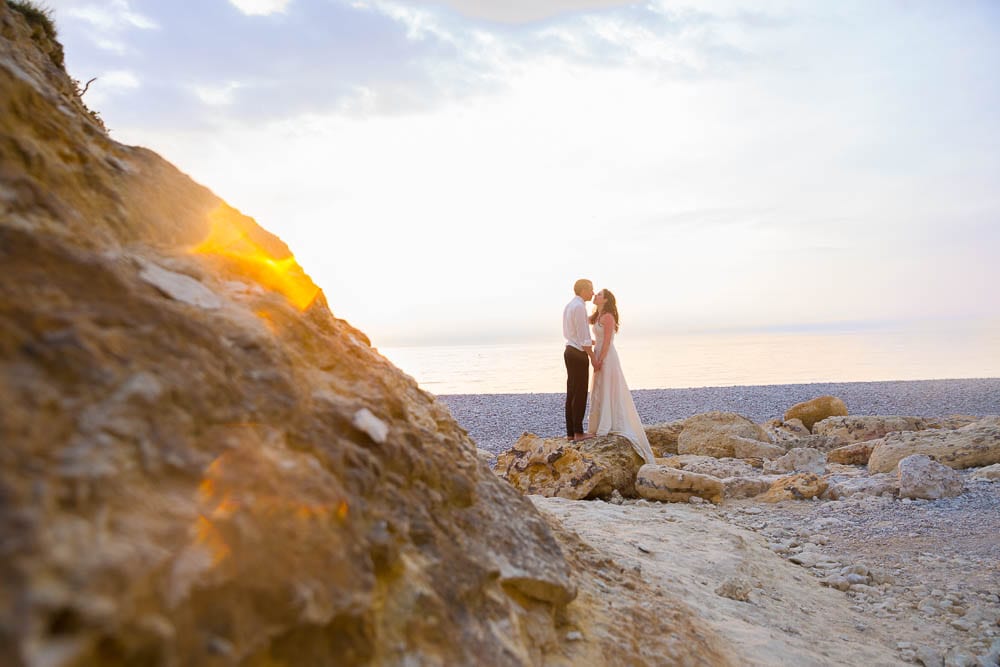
(612, 409)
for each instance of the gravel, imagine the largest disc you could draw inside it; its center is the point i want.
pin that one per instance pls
(931, 568)
(495, 421)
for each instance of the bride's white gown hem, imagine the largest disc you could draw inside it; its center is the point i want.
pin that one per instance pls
(612, 409)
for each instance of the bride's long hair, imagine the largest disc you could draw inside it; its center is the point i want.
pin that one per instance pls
(610, 306)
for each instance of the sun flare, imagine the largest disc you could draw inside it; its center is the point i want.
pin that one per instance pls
(258, 254)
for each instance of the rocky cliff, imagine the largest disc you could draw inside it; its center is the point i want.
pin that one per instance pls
(200, 464)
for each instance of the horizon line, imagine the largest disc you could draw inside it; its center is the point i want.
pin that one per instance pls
(844, 326)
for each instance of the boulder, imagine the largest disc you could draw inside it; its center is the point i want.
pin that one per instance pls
(717, 434)
(780, 430)
(823, 443)
(554, 467)
(618, 458)
(746, 448)
(882, 484)
(853, 455)
(798, 460)
(859, 428)
(663, 437)
(971, 446)
(817, 409)
(801, 486)
(709, 465)
(922, 477)
(988, 473)
(660, 482)
(550, 467)
(952, 422)
(486, 456)
(747, 487)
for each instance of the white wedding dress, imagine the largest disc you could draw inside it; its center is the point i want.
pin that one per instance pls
(612, 409)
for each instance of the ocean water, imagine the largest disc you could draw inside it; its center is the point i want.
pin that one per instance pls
(938, 351)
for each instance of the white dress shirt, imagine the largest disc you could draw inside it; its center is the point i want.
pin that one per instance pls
(576, 330)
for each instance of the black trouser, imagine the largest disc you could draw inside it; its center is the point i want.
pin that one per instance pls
(577, 379)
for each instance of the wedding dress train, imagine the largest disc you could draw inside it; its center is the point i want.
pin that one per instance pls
(612, 409)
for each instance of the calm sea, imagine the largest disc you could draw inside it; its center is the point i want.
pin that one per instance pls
(928, 352)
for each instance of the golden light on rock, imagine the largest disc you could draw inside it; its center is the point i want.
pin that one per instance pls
(259, 254)
(208, 535)
(223, 495)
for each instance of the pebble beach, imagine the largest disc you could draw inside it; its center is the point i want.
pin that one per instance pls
(495, 421)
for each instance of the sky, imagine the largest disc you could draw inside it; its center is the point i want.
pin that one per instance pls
(446, 170)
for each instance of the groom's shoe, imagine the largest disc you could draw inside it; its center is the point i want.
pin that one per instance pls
(587, 436)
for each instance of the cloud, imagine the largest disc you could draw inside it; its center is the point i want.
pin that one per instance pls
(218, 95)
(524, 11)
(113, 16)
(260, 7)
(111, 84)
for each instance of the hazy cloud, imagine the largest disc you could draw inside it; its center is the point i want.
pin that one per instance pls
(523, 11)
(111, 16)
(260, 7)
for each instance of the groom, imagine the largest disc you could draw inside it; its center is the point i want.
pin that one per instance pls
(578, 356)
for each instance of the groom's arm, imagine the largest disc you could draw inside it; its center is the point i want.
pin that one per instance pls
(583, 329)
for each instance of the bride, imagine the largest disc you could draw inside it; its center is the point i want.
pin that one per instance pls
(611, 407)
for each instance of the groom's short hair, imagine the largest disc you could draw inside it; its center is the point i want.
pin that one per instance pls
(581, 285)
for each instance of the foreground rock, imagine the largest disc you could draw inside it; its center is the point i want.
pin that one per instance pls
(734, 586)
(977, 444)
(202, 465)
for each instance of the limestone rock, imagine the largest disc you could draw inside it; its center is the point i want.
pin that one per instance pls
(952, 422)
(660, 482)
(549, 467)
(747, 448)
(747, 487)
(856, 454)
(801, 486)
(717, 434)
(922, 477)
(735, 588)
(780, 430)
(663, 437)
(860, 428)
(882, 484)
(179, 286)
(554, 467)
(798, 460)
(619, 460)
(817, 409)
(709, 465)
(486, 456)
(989, 473)
(971, 446)
(823, 443)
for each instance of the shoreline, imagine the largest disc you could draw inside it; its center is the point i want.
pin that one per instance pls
(495, 421)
